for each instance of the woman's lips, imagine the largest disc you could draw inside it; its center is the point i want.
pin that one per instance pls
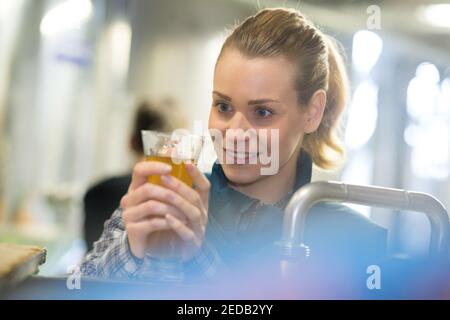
(241, 155)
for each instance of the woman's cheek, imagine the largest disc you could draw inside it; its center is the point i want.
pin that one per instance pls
(287, 144)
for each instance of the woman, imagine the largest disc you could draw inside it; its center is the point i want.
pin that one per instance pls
(276, 71)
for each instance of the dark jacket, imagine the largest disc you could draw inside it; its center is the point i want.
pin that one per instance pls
(99, 201)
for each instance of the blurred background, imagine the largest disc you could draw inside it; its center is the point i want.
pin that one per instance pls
(73, 72)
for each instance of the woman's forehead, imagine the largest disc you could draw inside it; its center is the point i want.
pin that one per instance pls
(270, 75)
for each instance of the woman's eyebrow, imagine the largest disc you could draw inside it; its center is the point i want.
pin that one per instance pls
(222, 96)
(251, 102)
(261, 101)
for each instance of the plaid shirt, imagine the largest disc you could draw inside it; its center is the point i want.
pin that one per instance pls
(111, 257)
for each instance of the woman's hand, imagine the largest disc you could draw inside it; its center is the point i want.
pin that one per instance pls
(193, 203)
(149, 208)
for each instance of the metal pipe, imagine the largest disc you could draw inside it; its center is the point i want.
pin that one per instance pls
(300, 203)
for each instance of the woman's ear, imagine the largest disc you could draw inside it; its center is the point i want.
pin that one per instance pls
(314, 111)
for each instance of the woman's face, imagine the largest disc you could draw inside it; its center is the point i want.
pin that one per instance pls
(256, 93)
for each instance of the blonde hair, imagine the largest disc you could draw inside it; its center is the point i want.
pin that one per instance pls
(286, 32)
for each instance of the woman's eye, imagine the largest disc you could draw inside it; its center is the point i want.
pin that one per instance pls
(223, 107)
(263, 113)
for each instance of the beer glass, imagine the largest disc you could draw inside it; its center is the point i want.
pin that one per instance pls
(176, 149)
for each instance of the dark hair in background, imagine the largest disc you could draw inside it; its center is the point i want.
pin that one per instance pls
(147, 117)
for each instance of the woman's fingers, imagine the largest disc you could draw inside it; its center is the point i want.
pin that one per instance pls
(144, 169)
(146, 227)
(192, 241)
(201, 183)
(138, 232)
(181, 229)
(182, 189)
(145, 192)
(197, 217)
(150, 191)
(150, 209)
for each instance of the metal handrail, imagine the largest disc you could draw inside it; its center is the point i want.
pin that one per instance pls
(300, 203)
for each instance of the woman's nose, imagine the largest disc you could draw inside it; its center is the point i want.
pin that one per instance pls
(238, 121)
(239, 132)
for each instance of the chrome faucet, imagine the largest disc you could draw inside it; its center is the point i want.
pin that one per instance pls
(292, 241)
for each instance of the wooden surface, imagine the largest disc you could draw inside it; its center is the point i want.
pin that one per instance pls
(17, 262)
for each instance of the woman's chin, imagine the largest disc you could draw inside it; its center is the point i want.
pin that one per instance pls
(241, 174)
